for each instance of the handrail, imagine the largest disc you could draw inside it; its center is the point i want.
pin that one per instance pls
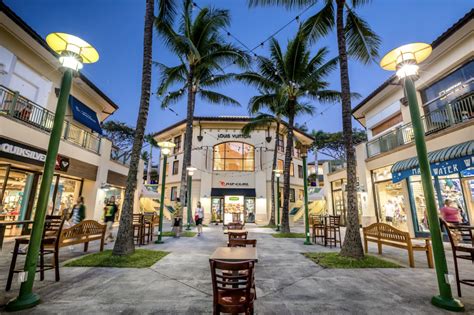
(18, 107)
(453, 113)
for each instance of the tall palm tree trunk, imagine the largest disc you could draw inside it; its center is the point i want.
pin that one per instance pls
(352, 246)
(124, 244)
(148, 166)
(188, 137)
(285, 220)
(274, 166)
(316, 166)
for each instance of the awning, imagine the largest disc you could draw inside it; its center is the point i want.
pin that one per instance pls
(450, 160)
(220, 192)
(84, 115)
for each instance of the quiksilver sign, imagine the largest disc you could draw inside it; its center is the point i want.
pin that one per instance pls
(21, 152)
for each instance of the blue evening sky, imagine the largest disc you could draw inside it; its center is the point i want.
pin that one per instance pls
(115, 28)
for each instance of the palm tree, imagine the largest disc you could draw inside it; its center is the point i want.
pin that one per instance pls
(153, 144)
(276, 108)
(296, 78)
(355, 38)
(124, 244)
(203, 53)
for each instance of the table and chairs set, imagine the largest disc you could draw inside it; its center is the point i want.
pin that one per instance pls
(326, 230)
(143, 227)
(233, 272)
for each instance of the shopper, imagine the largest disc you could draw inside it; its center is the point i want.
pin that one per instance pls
(110, 211)
(450, 213)
(78, 212)
(198, 217)
(178, 216)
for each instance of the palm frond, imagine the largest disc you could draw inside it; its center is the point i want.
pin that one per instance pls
(260, 121)
(362, 42)
(289, 4)
(217, 98)
(172, 98)
(320, 24)
(166, 12)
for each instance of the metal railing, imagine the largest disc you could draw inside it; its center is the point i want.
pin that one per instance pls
(120, 156)
(336, 165)
(451, 114)
(13, 105)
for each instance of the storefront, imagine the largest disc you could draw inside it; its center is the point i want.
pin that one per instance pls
(233, 205)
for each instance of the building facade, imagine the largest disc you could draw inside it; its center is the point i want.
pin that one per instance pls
(389, 183)
(233, 177)
(87, 164)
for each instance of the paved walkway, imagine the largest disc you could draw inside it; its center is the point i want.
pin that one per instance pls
(287, 282)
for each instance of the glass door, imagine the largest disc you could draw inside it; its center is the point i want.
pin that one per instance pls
(250, 210)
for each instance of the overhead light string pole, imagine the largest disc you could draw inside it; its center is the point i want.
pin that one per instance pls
(73, 53)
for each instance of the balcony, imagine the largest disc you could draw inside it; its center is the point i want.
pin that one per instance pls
(20, 108)
(120, 156)
(451, 114)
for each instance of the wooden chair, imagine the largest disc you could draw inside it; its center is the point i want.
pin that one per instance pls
(233, 286)
(138, 228)
(235, 226)
(460, 250)
(319, 229)
(49, 246)
(333, 231)
(241, 243)
(149, 225)
(238, 235)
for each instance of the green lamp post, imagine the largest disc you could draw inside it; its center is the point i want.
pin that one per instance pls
(191, 171)
(278, 173)
(165, 147)
(304, 155)
(404, 60)
(73, 52)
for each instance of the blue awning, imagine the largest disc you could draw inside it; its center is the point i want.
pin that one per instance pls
(83, 114)
(450, 160)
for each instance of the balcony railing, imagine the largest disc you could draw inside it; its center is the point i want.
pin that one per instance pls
(336, 165)
(13, 105)
(451, 114)
(120, 156)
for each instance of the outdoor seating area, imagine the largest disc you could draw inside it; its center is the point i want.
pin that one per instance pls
(143, 227)
(326, 230)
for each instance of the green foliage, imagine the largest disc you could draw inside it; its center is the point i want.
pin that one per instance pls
(141, 258)
(268, 226)
(331, 144)
(289, 235)
(119, 133)
(183, 234)
(336, 261)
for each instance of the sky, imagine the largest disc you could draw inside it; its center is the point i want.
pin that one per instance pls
(115, 28)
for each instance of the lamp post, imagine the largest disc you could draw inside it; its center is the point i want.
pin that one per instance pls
(304, 155)
(73, 52)
(278, 173)
(404, 60)
(191, 171)
(165, 147)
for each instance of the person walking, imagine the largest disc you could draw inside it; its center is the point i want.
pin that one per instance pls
(198, 217)
(450, 213)
(110, 211)
(178, 216)
(78, 212)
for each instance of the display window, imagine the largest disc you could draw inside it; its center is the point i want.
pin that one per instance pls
(234, 210)
(13, 183)
(250, 210)
(217, 207)
(67, 192)
(234, 156)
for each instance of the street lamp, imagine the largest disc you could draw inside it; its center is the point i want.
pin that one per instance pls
(191, 171)
(73, 52)
(304, 155)
(278, 173)
(165, 147)
(404, 60)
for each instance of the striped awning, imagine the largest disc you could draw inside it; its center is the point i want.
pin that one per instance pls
(450, 160)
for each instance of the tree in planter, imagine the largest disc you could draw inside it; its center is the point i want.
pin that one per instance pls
(124, 244)
(276, 106)
(355, 38)
(298, 79)
(202, 52)
(332, 144)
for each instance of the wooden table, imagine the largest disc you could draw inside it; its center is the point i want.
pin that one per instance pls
(235, 254)
(3, 225)
(234, 231)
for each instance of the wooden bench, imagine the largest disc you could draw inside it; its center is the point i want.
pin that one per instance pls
(385, 234)
(83, 233)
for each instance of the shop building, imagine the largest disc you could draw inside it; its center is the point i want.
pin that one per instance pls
(389, 184)
(233, 177)
(87, 165)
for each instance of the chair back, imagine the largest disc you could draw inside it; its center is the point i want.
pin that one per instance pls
(334, 220)
(317, 220)
(234, 226)
(453, 234)
(236, 277)
(53, 225)
(138, 218)
(149, 217)
(238, 235)
(242, 243)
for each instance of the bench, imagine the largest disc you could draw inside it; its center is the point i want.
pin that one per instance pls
(83, 233)
(385, 234)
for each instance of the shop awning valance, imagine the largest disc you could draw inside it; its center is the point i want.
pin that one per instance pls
(450, 160)
(84, 115)
(221, 192)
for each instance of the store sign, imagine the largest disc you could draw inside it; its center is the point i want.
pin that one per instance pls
(62, 163)
(232, 136)
(453, 166)
(233, 180)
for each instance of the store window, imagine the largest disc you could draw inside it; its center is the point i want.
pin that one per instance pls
(280, 165)
(339, 198)
(11, 197)
(175, 167)
(250, 210)
(281, 143)
(174, 193)
(300, 171)
(67, 191)
(297, 153)
(292, 170)
(177, 142)
(391, 206)
(292, 195)
(300, 194)
(234, 156)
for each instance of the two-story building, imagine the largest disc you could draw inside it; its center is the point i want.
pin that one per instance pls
(233, 177)
(387, 165)
(87, 164)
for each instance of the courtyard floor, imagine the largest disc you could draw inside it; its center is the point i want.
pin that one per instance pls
(287, 282)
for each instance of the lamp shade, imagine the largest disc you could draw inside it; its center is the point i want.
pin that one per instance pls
(166, 147)
(66, 44)
(413, 53)
(191, 170)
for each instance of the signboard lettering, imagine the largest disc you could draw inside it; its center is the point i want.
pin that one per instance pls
(232, 136)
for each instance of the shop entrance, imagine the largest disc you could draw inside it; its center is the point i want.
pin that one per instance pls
(233, 209)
